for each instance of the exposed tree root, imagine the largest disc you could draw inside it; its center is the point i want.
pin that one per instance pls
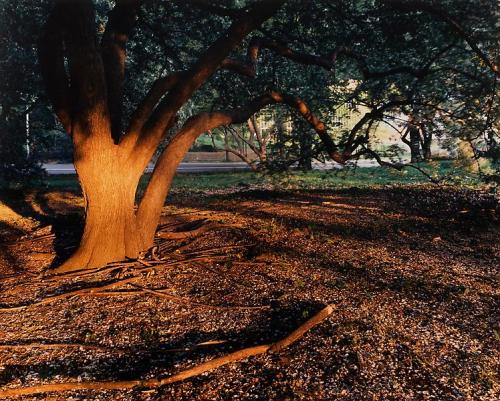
(57, 346)
(135, 266)
(81, 291)
(86, 272)
(101, 291)
(29, 239)
(210, 251)
(195, 304)
(183, 375)
(197, 230)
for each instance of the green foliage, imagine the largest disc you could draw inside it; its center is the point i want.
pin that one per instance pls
(361, 177)
(455, 97)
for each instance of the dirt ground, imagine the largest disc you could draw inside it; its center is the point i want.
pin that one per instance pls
(412, 273)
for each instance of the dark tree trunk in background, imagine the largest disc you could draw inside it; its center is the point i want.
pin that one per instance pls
(305, 160)
(416, 155)
(426, 143)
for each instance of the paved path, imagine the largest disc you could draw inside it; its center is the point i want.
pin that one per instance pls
(53, 168)
(207, 167)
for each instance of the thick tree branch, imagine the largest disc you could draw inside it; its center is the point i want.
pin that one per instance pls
(120, 24)
(152, 202)
(249, 67)
(143, 111)
(206, 65)
(51, 59)
(88, 86)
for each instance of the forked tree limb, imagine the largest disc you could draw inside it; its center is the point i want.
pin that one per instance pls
(156, 191)
(183, 375)
(121, 22)
(143, 111)
(164, 114)
(51, 59)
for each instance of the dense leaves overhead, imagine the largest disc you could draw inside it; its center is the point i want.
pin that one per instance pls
(428, 59)
(414, 56)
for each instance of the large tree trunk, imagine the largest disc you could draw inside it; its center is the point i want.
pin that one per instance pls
(84, 79)
(109, 186)
(149, 210)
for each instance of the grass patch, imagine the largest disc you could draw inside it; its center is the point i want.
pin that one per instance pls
(347, 177)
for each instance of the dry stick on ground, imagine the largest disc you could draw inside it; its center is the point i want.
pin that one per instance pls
(183, 375)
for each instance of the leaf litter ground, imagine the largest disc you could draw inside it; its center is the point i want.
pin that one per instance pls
(412, 271)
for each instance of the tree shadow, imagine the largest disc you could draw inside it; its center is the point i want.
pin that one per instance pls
(66, 226)
(7, 233)
(155, 358)
(380, 215)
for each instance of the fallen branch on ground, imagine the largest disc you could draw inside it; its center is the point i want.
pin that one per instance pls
(183, 375)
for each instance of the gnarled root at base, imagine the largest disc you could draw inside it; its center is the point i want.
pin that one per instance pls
(194, 229)
(108, 237)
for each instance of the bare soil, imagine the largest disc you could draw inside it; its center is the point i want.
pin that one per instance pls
(412, 272)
